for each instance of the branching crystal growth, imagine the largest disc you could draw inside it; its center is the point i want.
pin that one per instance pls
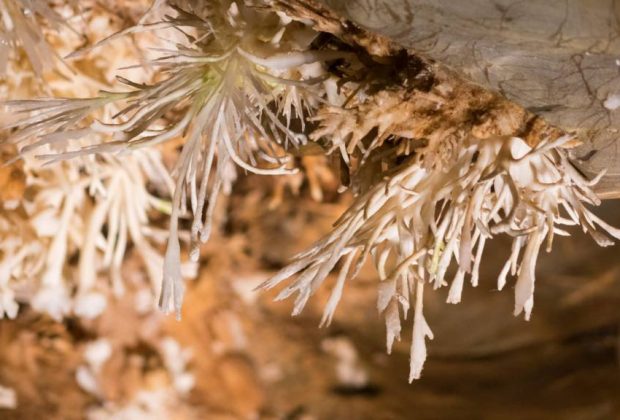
(94, 206)
(423, 217)
(233, 88)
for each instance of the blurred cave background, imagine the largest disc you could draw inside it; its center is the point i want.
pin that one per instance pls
(251, 359)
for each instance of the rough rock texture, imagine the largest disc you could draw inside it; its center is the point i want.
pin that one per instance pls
(556, 58)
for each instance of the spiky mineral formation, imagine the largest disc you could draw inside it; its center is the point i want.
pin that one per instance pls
(231, 87)
(438, 165)
(65, 228)
(64, 212)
